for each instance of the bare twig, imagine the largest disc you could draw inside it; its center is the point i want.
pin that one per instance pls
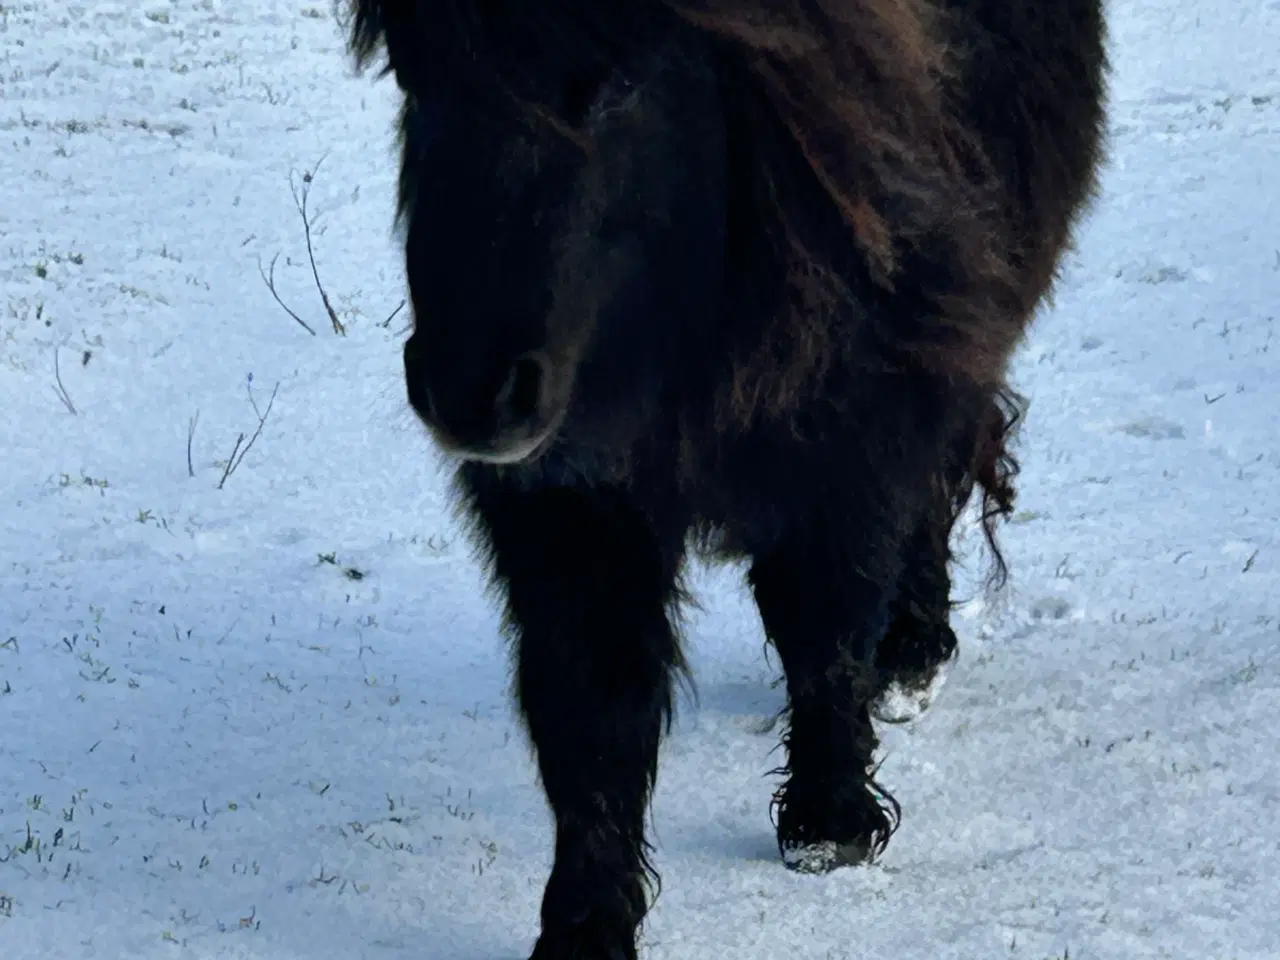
(233, 461)
(269, 278)
(191, 435)
(387, 322)
(301, 192)
(300, 195)
(59, 389)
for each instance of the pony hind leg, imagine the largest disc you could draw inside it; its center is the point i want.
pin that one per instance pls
(588, 582)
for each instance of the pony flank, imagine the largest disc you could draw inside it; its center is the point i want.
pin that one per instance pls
(743, 276)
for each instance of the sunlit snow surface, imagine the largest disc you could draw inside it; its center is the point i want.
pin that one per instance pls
(270, 720)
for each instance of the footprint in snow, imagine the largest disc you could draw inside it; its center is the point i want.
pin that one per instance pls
(1152, 428)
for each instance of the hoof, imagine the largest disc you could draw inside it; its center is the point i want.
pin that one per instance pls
(824, 856)
(905, 698)
(836, 828)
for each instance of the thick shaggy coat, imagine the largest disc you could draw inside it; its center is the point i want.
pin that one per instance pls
(744, 275)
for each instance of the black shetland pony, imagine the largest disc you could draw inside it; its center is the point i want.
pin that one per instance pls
(738, 274)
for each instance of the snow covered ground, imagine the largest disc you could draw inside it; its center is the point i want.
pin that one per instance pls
(270, 720)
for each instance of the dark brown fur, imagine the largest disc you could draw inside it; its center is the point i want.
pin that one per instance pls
(743, 274)
(868, 90)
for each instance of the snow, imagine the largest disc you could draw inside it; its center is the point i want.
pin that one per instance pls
(271, 720)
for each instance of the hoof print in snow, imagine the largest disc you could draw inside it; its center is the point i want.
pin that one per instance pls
(1051, 608)
(1150, 272)
(1153, 428)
